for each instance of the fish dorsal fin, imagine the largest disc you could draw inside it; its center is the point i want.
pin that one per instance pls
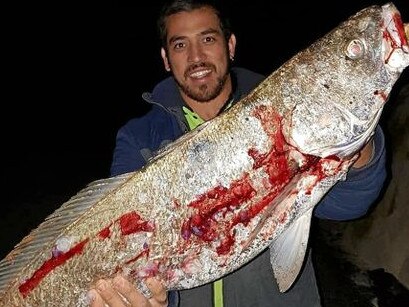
(287, 252)
(54, 225)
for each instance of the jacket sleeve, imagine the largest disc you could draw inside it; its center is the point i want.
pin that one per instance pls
(127, 155)
(140, 138)
(352, 198)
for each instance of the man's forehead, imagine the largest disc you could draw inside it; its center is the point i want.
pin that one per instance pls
(193, 23)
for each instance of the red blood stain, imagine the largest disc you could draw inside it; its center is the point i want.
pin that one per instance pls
(144, 253)
(381, 94)
(278, 167)
(49, 265)
(401, 33)
(105, 233)
(151, 269)
(218, 200)
(131, 222)
(401, 29)
(283, 217)
(225, 245)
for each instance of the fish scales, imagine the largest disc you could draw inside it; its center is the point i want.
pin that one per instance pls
(221, 194)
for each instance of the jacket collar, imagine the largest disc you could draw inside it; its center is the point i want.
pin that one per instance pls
(166, 93)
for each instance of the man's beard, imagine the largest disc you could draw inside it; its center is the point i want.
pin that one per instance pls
(203, 93)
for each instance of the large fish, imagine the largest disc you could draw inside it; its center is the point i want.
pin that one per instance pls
(264, 165)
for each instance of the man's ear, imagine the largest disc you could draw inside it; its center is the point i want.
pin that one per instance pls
(165, 59)
(232, 46)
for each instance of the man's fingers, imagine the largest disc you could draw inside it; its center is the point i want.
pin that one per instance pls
(95, 300)
(129, 292)
(119, 292)
(108, 293)
(158, 290)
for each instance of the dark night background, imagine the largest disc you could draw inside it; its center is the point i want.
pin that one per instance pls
(74, 75)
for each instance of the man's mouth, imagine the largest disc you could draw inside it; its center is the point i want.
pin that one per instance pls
(200, 73)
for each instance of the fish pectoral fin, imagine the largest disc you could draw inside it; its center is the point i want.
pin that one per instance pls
(287, 252)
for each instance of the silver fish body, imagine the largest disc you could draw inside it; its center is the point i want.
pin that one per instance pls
(221, 194)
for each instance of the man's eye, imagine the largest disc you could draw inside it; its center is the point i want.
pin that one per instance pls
(178, 45)
(209, 39)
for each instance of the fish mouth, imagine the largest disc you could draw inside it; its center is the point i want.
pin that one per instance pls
(395, 39)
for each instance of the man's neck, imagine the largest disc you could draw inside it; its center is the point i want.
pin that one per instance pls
(209, 110)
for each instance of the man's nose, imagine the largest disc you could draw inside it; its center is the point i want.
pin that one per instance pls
(196, 53)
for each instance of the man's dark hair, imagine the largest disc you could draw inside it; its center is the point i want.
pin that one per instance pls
(176, 6)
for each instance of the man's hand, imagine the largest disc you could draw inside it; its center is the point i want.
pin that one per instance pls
(365, 155)
(118, 292)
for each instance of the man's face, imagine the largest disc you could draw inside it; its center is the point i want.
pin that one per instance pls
(198, 54)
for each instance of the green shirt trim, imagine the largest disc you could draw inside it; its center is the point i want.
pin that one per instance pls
(193, 120)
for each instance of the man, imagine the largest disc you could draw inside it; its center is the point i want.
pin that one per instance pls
(198, 48)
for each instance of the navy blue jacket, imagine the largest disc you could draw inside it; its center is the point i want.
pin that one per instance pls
(138, 140)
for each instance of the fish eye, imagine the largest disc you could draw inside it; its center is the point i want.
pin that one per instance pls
(355, 49)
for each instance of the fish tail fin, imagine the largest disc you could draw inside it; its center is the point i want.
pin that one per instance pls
(39, 240)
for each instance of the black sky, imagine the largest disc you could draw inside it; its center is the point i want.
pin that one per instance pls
(75, 75)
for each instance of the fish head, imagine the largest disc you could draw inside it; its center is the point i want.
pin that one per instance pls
(351, 73)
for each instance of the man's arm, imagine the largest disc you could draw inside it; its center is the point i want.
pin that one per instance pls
(127, 155)
(140, 138)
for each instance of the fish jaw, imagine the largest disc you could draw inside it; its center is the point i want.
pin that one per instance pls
(395, 40)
